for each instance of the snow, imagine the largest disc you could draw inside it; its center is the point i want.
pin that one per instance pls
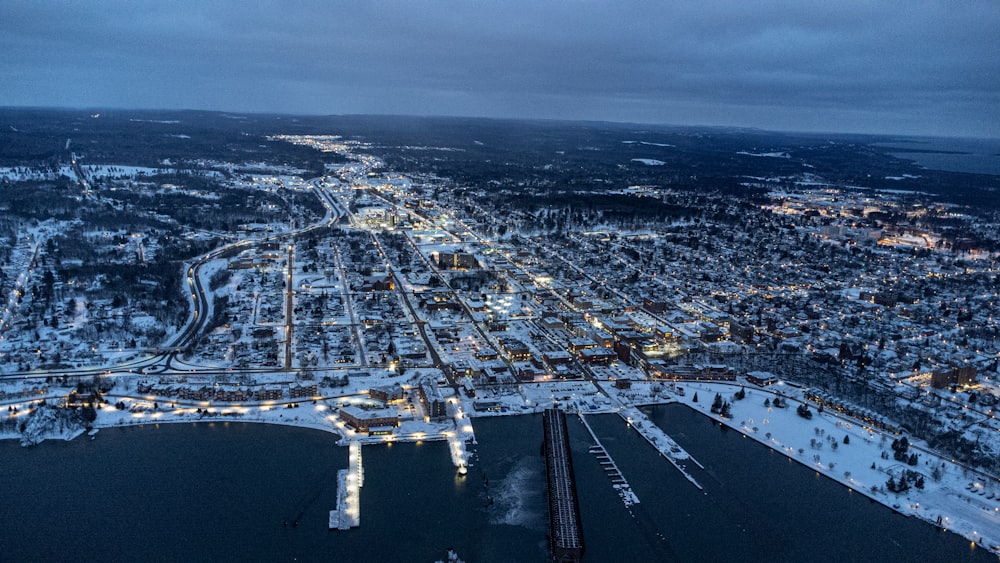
(27, 174)
(647, 143)
(766, 154)
(95, 171)
(649, 161)
(967, 503)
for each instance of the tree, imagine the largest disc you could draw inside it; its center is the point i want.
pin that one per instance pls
(88, 413)
(936, 473)
(695, 398)
(847, 439)
(717, 404)
(725, 410)
(767, 403)
(902, 486)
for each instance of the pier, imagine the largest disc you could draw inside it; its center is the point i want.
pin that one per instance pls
(610, 468)
(565, 529)
(663, 443)
(349, 481)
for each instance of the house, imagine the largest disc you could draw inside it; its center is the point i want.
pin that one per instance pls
(762, 378)
(378, 283)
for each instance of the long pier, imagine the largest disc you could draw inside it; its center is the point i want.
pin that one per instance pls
(663, 443)
(349, 481)
(565, 529)
(610, 467)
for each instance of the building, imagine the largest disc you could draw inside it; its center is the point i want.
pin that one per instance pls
(965, 375)
(457, 261)
(362, 420)
(268, 393)
(387, 394)
(303, 392)
(557, 357)
(654, 307)
(378, 283)
(516, 350)
(598, 356)
(432, 400)
(762, 378)
(740, 332)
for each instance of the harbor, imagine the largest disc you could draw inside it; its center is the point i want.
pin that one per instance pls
(411, 493)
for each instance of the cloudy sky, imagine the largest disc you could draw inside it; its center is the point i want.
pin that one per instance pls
(879, 66)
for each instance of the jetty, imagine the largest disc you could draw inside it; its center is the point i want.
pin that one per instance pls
(347, 515)
(663, 443)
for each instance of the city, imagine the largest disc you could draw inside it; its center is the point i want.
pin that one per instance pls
(336, 282)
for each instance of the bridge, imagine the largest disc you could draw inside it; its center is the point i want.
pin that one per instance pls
(565, 529)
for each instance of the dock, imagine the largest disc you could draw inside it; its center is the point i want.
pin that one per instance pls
(610, 468)
(663, 443)
(347, 515)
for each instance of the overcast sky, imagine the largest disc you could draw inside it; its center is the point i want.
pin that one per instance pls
(880, 66)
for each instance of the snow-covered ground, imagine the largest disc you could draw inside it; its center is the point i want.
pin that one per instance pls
(953, 497)
(767, 154)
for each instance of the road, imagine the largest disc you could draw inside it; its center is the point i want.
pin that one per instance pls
(289, 312)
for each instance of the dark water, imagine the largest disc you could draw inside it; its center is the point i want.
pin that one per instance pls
(762, 506)
(223, 492)
(979, 156)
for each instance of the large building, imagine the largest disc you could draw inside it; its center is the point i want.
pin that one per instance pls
(965, 375)
(364, 420)
(457, 260)
(432, 401)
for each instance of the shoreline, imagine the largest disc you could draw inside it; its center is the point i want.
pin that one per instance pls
(321, 418)
(909, 505)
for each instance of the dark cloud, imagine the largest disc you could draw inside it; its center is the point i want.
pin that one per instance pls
(929, 67)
